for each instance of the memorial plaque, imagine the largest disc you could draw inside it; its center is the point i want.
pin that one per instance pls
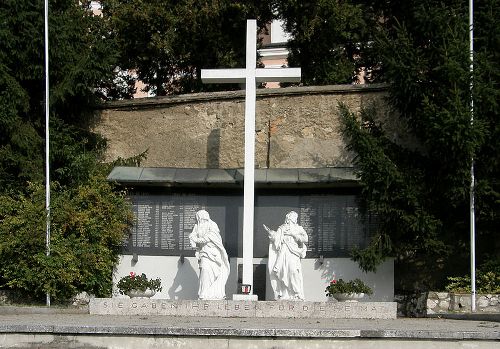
(334, 223)
(163, 222)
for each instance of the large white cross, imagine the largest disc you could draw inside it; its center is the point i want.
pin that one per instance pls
(250, 76)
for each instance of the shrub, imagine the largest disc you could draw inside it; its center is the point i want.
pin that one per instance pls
(352, 286)
(141, 282)
(487, 280)
(88, 226)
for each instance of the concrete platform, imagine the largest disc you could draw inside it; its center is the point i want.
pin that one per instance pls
(32, 328)
(243, 309)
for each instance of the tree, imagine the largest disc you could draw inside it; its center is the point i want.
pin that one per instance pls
(89, 218)
(167, 43)
(82, 63)
(330, 39)
(421, 193)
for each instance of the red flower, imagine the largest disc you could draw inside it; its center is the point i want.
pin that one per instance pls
(132, 274)
(333, 281)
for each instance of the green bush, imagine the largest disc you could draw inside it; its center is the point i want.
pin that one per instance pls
(88, 226)
(487, 280)
(138, 282)
(352, 286)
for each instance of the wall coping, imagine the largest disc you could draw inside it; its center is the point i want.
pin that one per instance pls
(164, 101)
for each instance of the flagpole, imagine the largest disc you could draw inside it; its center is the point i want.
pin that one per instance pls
(47, 149)
(472, 181)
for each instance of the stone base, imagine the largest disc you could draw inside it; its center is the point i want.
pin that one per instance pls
(233, 308)
(245, 297)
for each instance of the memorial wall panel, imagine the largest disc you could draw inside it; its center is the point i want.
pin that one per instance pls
(163, 222)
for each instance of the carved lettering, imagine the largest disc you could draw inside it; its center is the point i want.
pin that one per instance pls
(153, 305)
(236, 307)
(281, 307)
(120, 305)
(247, 307)
(290, 307)
(321, 308)
(195, 306)
(134, 305)
(347, 308)
(205, 306)
(305, 308)
(174, 306)
(144, 305)
(105, 304)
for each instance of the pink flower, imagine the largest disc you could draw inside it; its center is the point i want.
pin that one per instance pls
(132, 274)
(333, 281)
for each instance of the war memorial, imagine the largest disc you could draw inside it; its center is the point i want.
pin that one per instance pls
(195, 231)
(245, 208)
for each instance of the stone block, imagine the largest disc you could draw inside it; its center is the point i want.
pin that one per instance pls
(245, 297)
(444, 305)
(230, 308)
(483, 302)
(442, 295)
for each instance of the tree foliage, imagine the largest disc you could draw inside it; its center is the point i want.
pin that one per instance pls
(88, 217)
(167, 43)
(88, 222)
(330, 39)
(421, 193)
(82, 63)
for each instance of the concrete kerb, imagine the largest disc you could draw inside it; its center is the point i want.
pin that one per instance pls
(197, 327)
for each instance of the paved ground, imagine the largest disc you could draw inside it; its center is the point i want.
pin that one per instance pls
(60, 321)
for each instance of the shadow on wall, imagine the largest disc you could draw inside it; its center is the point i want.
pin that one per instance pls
(182, 285)
(326, 267)
(213, 149)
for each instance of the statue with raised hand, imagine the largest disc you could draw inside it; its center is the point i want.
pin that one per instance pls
(287, 247)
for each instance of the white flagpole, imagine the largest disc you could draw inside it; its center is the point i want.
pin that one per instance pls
(472, 181)
(47, 165)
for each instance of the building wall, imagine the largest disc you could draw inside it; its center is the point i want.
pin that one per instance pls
(296, 127)
(180, 280)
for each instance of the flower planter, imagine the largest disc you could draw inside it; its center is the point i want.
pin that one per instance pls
(141, 294)
(348, 297)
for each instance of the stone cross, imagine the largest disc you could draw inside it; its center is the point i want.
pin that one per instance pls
(250, 76)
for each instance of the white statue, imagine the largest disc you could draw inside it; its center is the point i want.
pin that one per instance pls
(212, 257)
(287, 246)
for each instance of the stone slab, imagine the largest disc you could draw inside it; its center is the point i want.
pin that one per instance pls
(406, 329)
(245, 297)
(243, 309)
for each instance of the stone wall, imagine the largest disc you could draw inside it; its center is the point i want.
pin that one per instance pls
(444, 302)
(431, 303)
(295, 127)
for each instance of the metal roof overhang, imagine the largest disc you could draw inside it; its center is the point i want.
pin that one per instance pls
(233, 178)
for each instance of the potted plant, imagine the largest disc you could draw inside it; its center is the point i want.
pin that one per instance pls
(350, 291)
(138, 285)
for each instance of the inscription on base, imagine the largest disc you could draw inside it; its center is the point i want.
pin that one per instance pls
(229, 308)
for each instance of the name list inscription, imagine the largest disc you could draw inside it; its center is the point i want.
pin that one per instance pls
(162, 224)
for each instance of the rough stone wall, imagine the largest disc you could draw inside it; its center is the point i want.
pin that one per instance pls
(295, 127)
(432, 303)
